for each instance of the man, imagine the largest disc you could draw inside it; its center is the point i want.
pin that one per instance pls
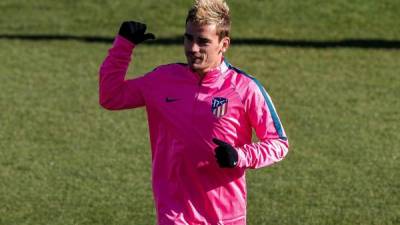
(201, 115)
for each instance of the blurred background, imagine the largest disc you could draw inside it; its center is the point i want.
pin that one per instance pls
(331, 67)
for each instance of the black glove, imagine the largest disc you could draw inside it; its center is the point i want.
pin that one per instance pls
(134, 32)
(227, 156)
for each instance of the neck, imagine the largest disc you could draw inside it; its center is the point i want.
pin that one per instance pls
(202, 73)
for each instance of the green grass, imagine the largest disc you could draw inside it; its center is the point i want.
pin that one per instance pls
(310, 19)
(64, 160)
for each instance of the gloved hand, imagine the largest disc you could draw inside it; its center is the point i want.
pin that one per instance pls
(227, 156)
(135, 32)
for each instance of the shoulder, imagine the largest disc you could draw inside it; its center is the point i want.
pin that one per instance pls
(170, 68)
(243, 82)
(166, 73)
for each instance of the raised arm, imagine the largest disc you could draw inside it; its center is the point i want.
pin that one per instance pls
(114, 91)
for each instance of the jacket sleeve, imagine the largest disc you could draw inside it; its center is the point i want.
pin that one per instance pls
(273, 144)
(114, 91)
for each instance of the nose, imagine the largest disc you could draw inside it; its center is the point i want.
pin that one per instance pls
(194, 47)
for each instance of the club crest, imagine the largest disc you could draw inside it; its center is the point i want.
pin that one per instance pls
(219, 106)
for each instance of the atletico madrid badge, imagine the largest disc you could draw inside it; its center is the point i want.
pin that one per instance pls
(219, 106)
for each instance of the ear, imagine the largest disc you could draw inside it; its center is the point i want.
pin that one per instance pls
(225, 43)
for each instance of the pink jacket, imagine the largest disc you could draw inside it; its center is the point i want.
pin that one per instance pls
(184, 115)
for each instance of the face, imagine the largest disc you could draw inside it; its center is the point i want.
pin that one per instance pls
(203, 49)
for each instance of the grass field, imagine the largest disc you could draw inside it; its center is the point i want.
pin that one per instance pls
(66, 161)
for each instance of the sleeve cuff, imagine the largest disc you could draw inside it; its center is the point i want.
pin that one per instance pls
(121, 41)
(242, 161)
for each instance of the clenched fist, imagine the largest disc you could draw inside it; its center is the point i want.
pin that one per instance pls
(135, 32)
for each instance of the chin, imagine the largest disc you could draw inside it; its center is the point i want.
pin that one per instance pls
(195, 66)
(196, 69)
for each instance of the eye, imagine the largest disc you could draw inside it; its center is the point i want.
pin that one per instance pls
(188, 37)
(203, 41)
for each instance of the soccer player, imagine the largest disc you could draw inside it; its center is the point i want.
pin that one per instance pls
(200, 115)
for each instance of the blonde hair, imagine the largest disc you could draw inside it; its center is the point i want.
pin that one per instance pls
(206, 12)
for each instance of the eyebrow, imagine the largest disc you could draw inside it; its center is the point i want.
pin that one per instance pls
(202, 39)
(187, 35)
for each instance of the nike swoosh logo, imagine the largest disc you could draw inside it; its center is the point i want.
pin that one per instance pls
(171, 99)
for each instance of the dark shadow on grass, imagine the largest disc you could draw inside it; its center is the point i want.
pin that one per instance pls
(344, 43)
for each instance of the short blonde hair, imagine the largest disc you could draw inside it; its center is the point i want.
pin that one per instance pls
(206, 12)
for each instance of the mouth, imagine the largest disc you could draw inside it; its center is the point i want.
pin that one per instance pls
(195, 59)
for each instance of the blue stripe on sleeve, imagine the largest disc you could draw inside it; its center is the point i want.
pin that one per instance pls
(271, 108)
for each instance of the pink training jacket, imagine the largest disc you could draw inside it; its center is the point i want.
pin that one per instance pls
(184, 114)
